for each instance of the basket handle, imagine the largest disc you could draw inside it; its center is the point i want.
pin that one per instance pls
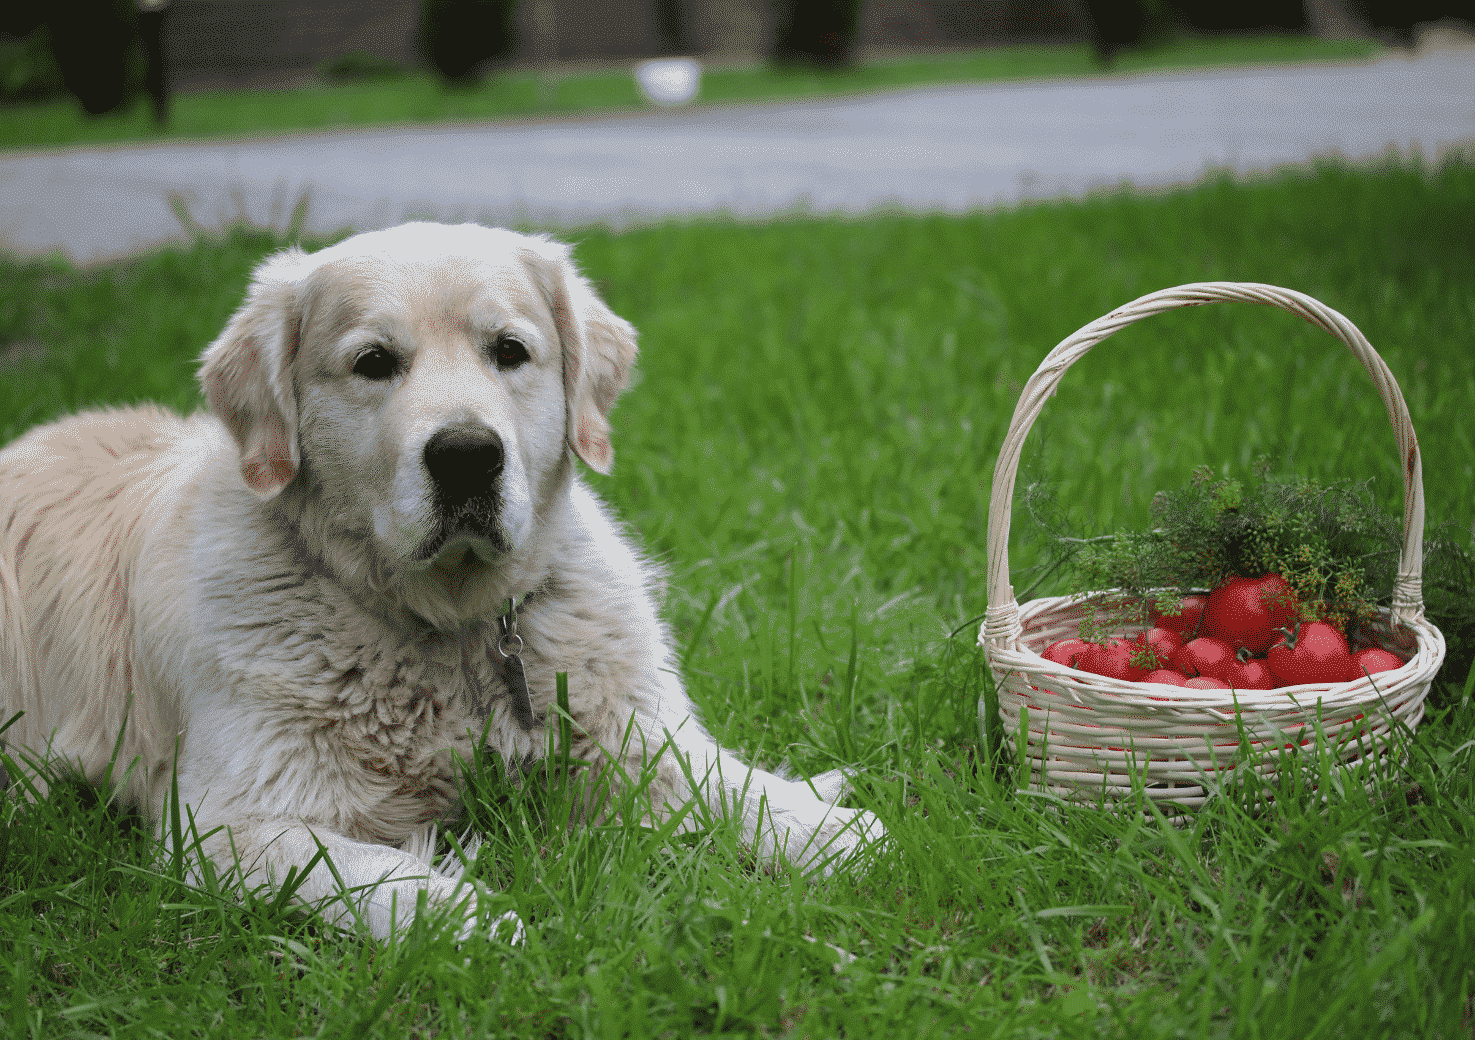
(1001, 626)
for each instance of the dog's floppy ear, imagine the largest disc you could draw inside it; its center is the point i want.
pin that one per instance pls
(598, 351)
(247, 375)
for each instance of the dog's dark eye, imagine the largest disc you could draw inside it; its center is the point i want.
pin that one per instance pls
(376, 363)
(509, 352)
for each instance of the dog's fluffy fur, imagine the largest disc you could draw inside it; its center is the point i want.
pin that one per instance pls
(286, 587)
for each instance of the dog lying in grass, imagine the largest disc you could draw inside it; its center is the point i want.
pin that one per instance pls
(373, 551)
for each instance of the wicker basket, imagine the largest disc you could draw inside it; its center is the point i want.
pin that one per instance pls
(1090, 735)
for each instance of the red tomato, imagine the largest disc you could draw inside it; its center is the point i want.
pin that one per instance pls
(1312, 652)
(1252, 673)
(1205, 655)
(1065, 651)
(1166, 676)
(1205, 682)
(1112, 658)
(1161, 643)
(1374, 660)
(1249, 612)
(1185, 622)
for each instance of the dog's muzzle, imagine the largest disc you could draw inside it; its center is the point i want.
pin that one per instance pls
(465, 467)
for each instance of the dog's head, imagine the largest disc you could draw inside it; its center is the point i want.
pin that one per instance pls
(412, 397)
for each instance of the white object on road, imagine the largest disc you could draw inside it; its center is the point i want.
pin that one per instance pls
(669, 81)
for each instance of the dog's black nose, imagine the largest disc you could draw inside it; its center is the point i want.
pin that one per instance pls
(464, 462)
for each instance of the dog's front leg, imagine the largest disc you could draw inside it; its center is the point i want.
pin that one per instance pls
(373, 884)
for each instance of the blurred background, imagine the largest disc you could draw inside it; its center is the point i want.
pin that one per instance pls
(109, 54)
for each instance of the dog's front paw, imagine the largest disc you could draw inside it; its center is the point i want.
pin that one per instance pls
(474, 905)
(848, 831)
(509, 928)
(838, 836)
(506, 927)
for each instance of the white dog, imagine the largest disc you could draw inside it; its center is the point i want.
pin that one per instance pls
(306, 590)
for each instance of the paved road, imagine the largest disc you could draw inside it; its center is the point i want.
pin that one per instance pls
(952, 148)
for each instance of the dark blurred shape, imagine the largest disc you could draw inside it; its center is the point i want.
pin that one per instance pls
(1217, 16)
(1115, 25)
(27, 70)
(671, 27)
(93, 42)
(819, 32)
(1396, 19)
(457, 36)
(20, 18)
(151, 14)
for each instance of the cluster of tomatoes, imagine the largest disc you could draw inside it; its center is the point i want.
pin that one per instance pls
(1243, 635)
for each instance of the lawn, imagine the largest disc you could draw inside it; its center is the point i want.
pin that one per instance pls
(809, 449)
(418, 98)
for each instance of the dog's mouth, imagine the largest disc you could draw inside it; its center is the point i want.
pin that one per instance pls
(456, 546)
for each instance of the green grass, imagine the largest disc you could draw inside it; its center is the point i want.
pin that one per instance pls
(417, 98)
(810, 446)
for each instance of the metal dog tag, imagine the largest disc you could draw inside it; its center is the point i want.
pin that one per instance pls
(517, 689)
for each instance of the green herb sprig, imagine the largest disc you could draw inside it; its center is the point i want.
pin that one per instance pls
(1331, 542)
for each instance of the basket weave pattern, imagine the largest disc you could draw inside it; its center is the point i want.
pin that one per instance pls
(1088, 734)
